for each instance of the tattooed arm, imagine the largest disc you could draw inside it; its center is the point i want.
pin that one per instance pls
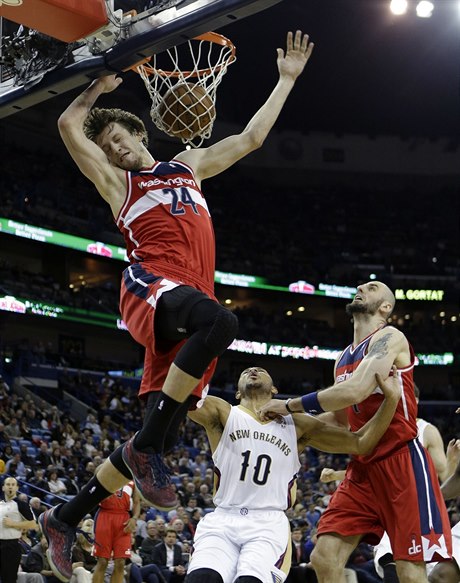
(388, 346)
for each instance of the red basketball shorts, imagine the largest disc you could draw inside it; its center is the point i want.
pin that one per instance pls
(399, 494)
(110, 540)
(140, 292)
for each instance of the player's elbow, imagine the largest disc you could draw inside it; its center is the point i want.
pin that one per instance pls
(364, 447)
(63, 121)
(66, 123)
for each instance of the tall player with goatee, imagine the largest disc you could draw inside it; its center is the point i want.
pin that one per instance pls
(395, 488)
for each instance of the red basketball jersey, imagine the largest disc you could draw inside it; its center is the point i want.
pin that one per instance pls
(119, 501)
(403, 426)
(166, 224)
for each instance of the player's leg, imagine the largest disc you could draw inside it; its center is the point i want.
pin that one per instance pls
(185, 312)
(103, 542)
(182, 313)
(410, 501)
(215, 550)
(265, 546)
(411, 572)
(59, 524)
(118, 573)
(121, 546)
(100, 569)
(445, 572)
(350, 514)
(172, 433)
(330, 556)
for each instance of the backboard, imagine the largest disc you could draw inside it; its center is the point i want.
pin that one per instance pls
(35, 67)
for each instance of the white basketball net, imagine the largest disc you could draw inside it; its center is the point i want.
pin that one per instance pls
(206, 59)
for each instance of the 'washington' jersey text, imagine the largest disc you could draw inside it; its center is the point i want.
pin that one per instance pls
(166, 224)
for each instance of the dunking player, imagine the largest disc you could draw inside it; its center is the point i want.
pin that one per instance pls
(167, 298)
(395, 488)
(247, 538)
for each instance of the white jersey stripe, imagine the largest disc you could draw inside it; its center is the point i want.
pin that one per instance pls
(127, 197)
(403, 395)
(136, 279)
(425, 480)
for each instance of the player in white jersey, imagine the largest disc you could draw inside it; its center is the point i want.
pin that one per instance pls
(247, 538)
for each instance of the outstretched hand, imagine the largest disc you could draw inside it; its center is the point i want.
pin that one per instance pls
(108, 83)
(298, 51)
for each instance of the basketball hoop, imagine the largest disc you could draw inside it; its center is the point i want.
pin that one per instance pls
(202, 65)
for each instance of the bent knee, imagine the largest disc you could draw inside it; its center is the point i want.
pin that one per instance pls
(321, 561)
(222, 332)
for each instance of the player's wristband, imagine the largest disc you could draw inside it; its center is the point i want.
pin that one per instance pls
(311, 404)
(288, 409)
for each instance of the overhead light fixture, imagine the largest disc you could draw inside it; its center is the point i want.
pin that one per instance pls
(398, 7)
(424, 9)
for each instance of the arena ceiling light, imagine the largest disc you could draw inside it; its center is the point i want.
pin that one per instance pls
(399, 7)
(424, 9)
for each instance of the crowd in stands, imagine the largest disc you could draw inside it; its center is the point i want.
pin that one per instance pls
(324, 242)
(53, 455)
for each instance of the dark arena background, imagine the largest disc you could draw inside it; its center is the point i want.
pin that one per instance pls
(358, 180)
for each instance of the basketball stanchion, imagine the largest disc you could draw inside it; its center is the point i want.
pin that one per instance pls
(182, 84)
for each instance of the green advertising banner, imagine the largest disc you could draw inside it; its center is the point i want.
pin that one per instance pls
(62, 239)
(225, 278)
(37, 308)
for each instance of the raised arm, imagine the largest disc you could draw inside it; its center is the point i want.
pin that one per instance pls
(212, 415)
(208, 162)
(335, 440)
(386, 347)
(89, 158)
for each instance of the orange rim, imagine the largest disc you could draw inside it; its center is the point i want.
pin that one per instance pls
(212, 37)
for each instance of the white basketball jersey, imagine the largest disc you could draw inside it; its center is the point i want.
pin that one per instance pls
(256, 463)
(421, 426)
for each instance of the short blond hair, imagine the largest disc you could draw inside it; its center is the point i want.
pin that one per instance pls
(98, 119)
